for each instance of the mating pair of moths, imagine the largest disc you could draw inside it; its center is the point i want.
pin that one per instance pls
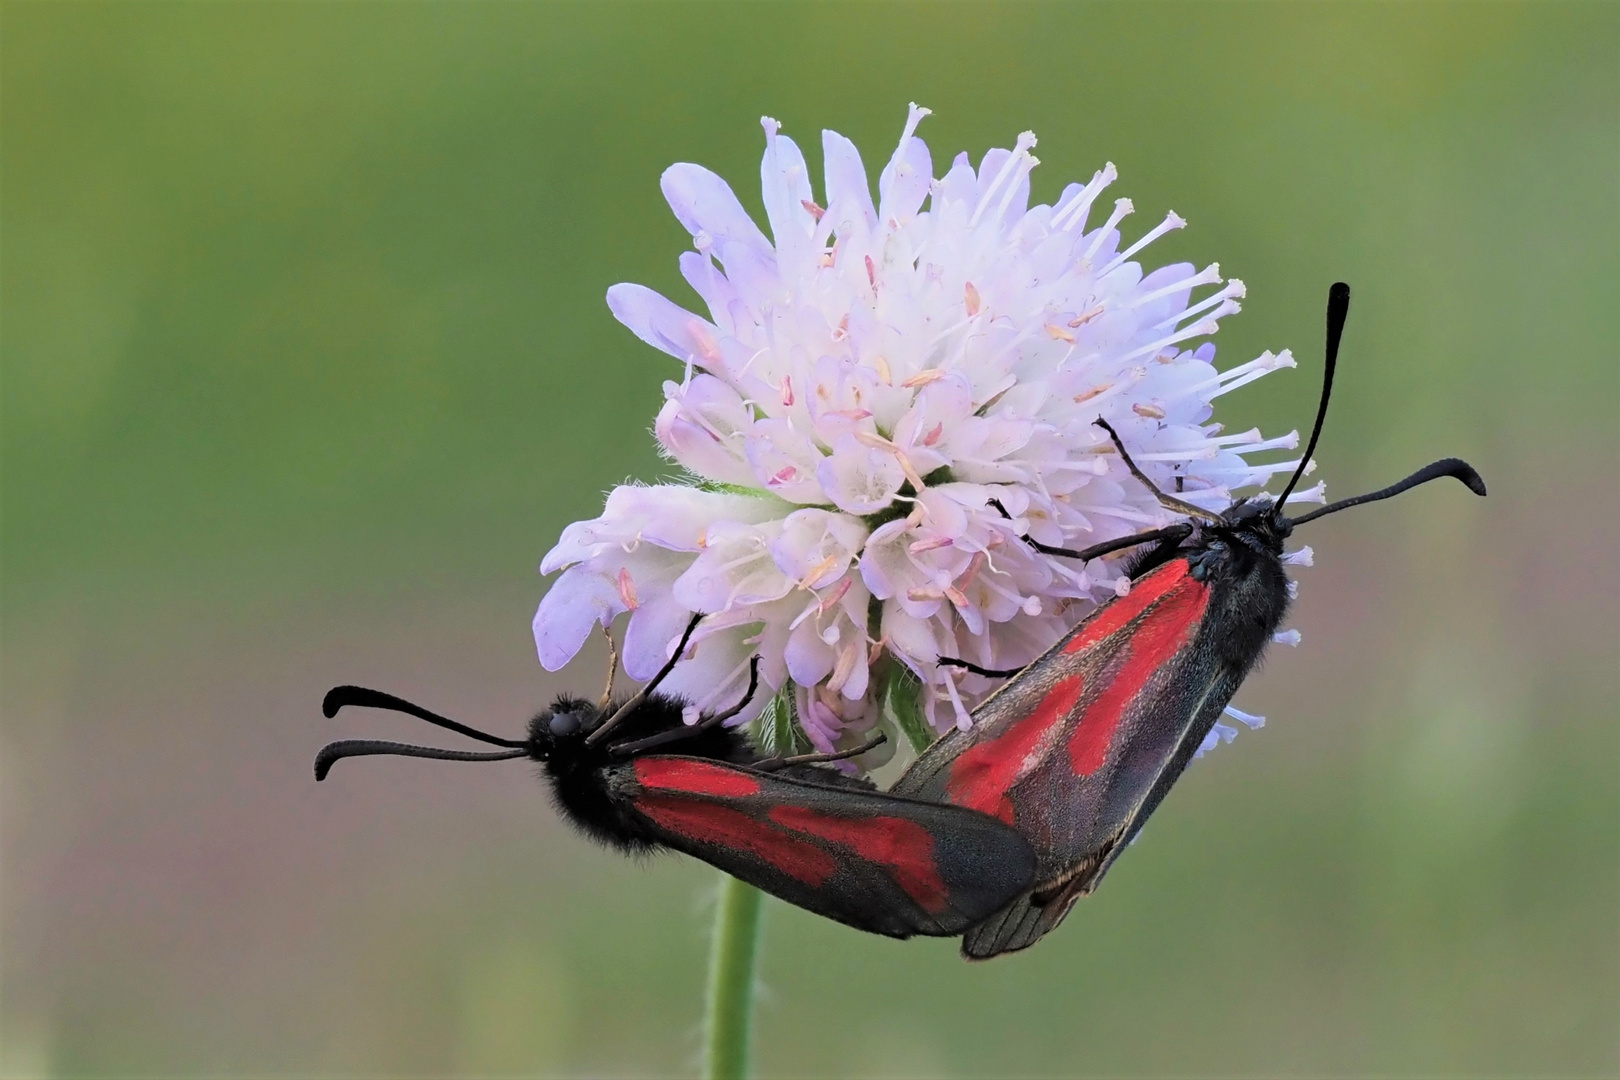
(994, 832)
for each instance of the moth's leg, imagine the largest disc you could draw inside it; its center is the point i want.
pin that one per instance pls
(992, 673)
(613, 667)
(1178, 532)
(1169, 502)
(772, 764)
(685, 731)
(641, 695)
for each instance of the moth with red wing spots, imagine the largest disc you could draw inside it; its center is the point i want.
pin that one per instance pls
(807, 834)
(1080, 747)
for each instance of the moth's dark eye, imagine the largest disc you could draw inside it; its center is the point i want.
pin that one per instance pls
(1246, 511)
(565, 723)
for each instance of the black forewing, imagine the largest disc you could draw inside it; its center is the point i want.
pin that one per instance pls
(880, 863)
(1177, 727)
(1079, 749)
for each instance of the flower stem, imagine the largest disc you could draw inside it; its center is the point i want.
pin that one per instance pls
(731, 981)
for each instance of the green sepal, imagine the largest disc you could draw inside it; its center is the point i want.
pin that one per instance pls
(703, 483)
(776, 729)
(902, 702)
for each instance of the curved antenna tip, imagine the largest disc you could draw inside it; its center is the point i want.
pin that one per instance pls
(1461, 470)
(1456, 467)
(334, 700)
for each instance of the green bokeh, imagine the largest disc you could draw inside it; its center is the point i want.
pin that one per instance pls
(306, 363)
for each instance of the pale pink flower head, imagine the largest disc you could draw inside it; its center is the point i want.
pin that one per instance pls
(870, 387)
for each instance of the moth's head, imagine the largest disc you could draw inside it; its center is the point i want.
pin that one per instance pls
(1258, 522)
(564, 726)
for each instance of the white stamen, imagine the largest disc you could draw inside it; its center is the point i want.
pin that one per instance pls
(1303, 557)
(1218, 734)
(1209, 275)
(1199, 329)
(1266, 361)
(1074, 214)
(1287, 637)
(1234, 289)
(1250, 436)
(1254, 721)
(1121, 208)
(1020, 151)
(1171, 221)
(1258, 473)
(914, 117)
(1289, 441)
(1224, 308)
(1283, 359)
(1316, 494)
(1201, 453)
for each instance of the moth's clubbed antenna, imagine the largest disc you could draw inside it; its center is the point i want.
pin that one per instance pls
(364, 697)
(1444, 467)
(1338, 309)
(339, 696)
(331, 753)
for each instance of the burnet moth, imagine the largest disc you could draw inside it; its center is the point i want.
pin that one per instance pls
(1078, 749)
(829, 843)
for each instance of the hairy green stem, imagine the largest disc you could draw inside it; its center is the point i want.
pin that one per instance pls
(731, 981)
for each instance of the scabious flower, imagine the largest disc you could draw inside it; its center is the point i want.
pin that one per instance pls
(881, 403)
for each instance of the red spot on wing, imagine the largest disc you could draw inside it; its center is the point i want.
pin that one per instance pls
(905, 847)
(1157, 638)
(1116, 615)
(724, 827)
(983, 774)
(693, 777)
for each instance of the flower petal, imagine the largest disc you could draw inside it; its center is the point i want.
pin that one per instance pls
(706, 205)
(908, 175)
(704, 426)
(847, 188)
(665, 326)
(785, 181)
(576, 600)
(860, 479)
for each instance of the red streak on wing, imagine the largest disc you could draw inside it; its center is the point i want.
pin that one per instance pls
(982, 776)
(693, 777)
(1115, 615)
(903, 846)
(727, 828)
(1156, 639)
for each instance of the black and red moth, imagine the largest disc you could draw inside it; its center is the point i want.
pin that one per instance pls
(829, 843)
(1079, 748)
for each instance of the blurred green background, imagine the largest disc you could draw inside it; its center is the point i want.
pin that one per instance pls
(306, 363)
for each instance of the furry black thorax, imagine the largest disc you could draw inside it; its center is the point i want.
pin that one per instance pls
(583, 774)
(1240, 559)
(580, 772)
